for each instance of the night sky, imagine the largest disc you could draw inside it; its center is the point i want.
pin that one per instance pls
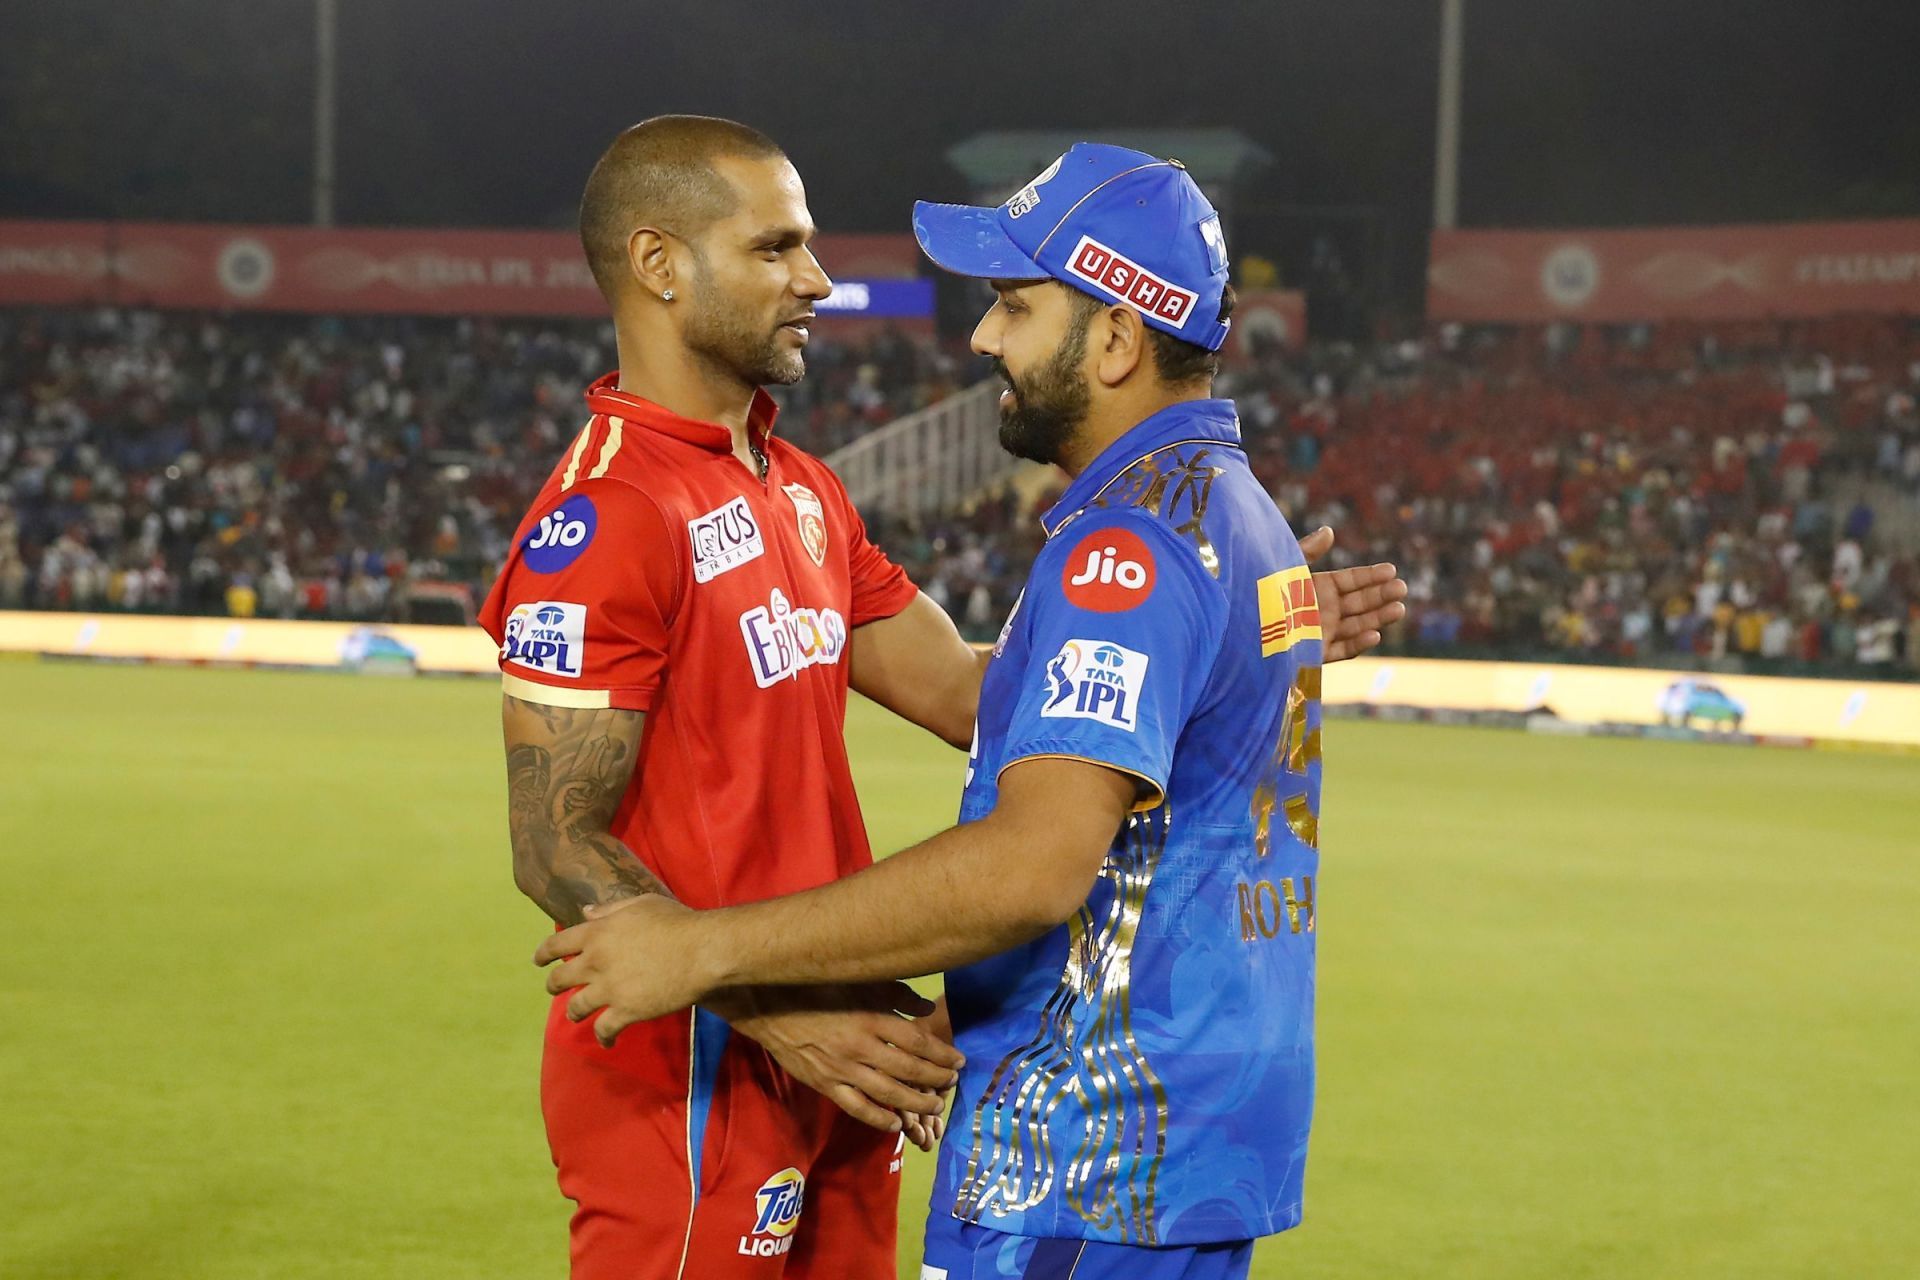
(490, 112)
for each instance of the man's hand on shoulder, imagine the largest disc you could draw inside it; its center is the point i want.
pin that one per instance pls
(1355, 603)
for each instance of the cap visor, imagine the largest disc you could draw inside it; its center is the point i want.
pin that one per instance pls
(967, 240)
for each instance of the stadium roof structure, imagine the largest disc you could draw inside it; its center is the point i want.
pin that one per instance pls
(1217, 158)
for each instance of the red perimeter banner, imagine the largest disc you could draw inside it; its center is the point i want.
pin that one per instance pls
(1675, 273)
(412, 272)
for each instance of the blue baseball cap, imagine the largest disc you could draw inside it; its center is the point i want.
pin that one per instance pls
(1113, 222)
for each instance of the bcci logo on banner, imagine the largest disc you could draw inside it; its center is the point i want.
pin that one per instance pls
(547, 636)
(1095, 680)
(776, 1212)
(1289, 610)
(1113, 272)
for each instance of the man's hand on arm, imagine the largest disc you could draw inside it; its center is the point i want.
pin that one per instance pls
(994, 884)
(567, 769)
(1355, 603)
(851, 1043)
(916, 665)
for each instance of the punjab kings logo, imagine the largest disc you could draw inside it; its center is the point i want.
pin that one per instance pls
(1113, 272)
(813, 520)
(776, 1212)
(1289, 610)
(1109, 572)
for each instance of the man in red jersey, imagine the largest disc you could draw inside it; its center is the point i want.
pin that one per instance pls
(686, 573)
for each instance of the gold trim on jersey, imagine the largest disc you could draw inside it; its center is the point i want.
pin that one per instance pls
(609, 449)
(1151, 800)
(1084, 1050)
(548, 696)
(573, 463)
(1143, 483)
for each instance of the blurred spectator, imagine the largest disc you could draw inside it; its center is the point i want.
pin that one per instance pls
(319, 467)
(1738, 495)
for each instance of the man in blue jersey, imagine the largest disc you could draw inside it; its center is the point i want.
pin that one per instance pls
(1126, 909)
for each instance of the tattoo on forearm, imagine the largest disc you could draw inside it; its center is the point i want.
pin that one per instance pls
(561, 796)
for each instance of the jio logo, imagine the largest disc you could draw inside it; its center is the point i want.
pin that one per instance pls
(561, 536)
(1110, 571)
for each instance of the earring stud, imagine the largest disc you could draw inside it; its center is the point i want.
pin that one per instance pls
(667, 296)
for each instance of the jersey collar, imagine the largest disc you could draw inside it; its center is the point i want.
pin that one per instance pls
(1189, 420)
(604, 397)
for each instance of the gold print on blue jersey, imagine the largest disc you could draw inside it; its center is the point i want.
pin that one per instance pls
(1286, 775)
(1145, 484)
(1262, 903)
(1083, 1051)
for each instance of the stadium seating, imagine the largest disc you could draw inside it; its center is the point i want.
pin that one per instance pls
(1736, 495)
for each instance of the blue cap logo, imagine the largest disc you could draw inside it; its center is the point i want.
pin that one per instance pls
(1113, 222)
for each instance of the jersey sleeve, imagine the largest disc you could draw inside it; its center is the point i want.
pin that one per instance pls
(881, 588)
(583, 607)
(1124, 626)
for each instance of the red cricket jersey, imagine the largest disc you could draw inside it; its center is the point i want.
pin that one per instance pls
(656, 573)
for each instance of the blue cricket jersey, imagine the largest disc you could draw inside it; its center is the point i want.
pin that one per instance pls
(1143, 1074)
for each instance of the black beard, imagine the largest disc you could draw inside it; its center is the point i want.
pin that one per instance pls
(730, 342)
(1049, 404)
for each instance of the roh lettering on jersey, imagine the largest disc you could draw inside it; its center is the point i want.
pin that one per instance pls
(1108, 571)
(776, 1212)
(783, 641)
(1265, 910)
(561, 537)
(812, 519)
(1095, 680)
(1113, 272)
(725, 538)
(548, 636)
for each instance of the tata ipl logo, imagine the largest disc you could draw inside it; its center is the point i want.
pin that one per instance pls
(1095, 680)
(547, 635)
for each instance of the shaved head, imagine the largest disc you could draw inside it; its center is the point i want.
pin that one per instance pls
(661, 173)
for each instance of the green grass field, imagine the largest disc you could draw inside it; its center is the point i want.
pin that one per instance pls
(1588, 1008)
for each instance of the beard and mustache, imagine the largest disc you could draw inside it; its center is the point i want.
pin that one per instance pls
(1050, 402)
(734, 341)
